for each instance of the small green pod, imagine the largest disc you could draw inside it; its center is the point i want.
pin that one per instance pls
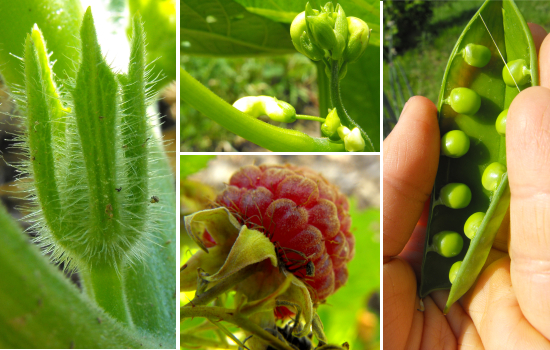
(516, 72)
(500, 124)
(464, 101)
(455, 144)
(454, 271)
(492, 175)
(455, 196)
(473, 223)
(476, 55)
(447, 243)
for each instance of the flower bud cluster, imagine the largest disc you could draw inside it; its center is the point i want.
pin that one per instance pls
(333, 129)
(329, 33)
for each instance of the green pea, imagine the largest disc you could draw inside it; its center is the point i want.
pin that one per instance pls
(455, 195)
(464, 101)
(447, 243)
(516, 72)
(455, 144)
(492, 175)
(476, 55)
(454, 271)
(473, 223)
(501, 122)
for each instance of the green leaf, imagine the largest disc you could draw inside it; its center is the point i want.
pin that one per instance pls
(59, 21)
(225, 28)
(192, 164)
(360, 91)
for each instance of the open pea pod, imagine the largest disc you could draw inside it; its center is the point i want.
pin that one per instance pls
(471, 193)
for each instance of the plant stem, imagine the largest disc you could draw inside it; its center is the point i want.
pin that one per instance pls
(337, 103)
(309, 117)
(323, 84)
(222, 287)
(188, 339)
(217, 314)
(263, 134)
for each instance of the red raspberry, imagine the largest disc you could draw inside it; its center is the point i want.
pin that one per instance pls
(302, 214)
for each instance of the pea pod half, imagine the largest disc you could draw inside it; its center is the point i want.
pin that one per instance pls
(477, 87)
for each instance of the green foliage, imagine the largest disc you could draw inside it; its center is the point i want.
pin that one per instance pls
(192, 164)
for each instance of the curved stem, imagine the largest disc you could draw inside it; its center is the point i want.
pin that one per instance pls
(309, 117)
(263, 134)
(337, 103)
(323, 84)
(217, 314)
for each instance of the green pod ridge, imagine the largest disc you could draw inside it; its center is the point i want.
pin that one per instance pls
(455, 196)
(447, 243)
(492, 176)
(464, 101)
(476, 55)
(455, 144)
(499, 27)
(516, 73)
(473, 223)
(500, 124)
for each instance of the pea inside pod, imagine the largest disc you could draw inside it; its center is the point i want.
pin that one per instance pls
(495, 48)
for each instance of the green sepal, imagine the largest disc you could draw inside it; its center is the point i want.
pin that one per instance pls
(322, 31)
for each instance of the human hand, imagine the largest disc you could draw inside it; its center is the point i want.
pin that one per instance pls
(509, 306)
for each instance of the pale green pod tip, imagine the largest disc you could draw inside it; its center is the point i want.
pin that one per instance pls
(455, 195)
(464, 101)
(447, 243)
(476, 55)
(500, 124)
(472, 224)
(516, 72)
(455, 144)
(492, 175)
(454, 271)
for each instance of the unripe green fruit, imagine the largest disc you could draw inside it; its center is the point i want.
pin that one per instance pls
(464, 101)
(516, 72)
(472, 224)
(500, 124)
(455, 195)
(492, 176)
(447, 243)
(455, 144)
(476, 55)
(454, 271)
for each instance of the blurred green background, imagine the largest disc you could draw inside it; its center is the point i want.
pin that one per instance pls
(420, 36)
(352, 313)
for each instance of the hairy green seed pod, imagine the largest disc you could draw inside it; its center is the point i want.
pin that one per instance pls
(476, 55)
(516, 72)
(455, 144)
(455, 195)
(302, 41)
(472, 224)
(500, 124)
(464, 101)
(447, 243)
(454, 271)
(492, 175)
(359, 34)
(331, 125)
(276, 110)
(322, 31)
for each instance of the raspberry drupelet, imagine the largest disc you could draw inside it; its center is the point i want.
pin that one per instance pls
(303, 215)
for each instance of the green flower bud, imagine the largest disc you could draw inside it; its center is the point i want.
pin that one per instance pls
(322, 31)
(359, 34)
(343, 132)
(328, 8)
(353, 141)
(302, 41)
(276, 110)
(341, 31)
(331, 125)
